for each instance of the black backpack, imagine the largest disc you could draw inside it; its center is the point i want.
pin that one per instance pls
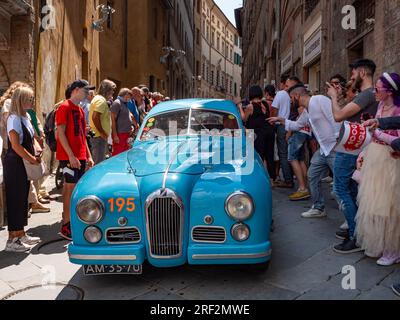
(49, 130)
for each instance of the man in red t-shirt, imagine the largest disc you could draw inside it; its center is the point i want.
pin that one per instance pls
(72, 150)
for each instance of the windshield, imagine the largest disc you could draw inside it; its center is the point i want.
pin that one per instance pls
(190, 122)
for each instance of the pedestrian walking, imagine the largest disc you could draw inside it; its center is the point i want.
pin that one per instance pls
(72, 150)
(362, 108)
(100, 120)
(20, 139)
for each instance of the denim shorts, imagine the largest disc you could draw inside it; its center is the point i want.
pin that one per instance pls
(296, 146)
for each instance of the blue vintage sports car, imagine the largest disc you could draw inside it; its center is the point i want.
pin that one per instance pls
(191, 190)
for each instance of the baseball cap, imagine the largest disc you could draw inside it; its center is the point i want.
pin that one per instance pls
(363, 63)
(80, 84)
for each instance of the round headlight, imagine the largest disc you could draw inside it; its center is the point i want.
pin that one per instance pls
(93, 234)
(239, 206)
(90, 210)
(240, 232)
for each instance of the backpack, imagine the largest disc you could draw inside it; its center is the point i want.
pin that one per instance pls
(49, 130)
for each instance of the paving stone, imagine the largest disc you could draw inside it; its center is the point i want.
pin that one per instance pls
(329, 290)
(159, 294)
(173, 279)
(282, 261)
(5, 289)
(268, 292)
(113, 287)
(217, 288)
(370, 274)
(307, 275)
(378, 293)
(392, 278)
(23, 270)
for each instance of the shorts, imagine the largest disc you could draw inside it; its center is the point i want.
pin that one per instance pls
(296, 146)
(72, 175)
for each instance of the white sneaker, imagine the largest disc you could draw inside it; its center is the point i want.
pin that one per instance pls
(387, 261)
(30, 241)
(344, 226)
(314, 213)
(15, 245)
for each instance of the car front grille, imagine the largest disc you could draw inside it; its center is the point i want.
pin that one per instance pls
(123, 235)
(209, 234)
(164, 227)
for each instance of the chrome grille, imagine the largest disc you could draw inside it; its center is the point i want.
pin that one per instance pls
(164, 225)
(123, 235)
(209, 234)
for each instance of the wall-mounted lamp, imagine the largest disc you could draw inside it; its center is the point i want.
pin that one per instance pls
(106, 11)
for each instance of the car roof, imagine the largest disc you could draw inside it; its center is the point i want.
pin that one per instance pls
(213, 104)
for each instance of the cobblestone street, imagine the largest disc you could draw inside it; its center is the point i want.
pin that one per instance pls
(303, 266)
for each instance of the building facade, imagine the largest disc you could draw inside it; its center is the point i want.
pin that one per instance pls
(180, 62)
(308, 39)
(149, 42)
(17, 49)
(219, 62)
(48, 44)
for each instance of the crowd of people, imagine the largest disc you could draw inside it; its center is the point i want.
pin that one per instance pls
(302, 130)
(296, 134)
(83, 130)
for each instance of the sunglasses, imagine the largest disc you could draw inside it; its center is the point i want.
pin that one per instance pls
(376, 89)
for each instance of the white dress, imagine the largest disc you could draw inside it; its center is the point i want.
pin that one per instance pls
(378, 216)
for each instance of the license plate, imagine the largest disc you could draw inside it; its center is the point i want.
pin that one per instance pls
(112, 269)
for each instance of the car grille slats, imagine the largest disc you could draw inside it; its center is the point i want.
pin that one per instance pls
(164, 218)
(123, 235)
(209, 234)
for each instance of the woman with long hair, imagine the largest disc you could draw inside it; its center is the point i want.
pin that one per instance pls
(378, 216)
(20, 134)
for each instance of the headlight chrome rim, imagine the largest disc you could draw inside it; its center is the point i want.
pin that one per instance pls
(239, 225)
(239, 193)
(94, 228)
(100, 205)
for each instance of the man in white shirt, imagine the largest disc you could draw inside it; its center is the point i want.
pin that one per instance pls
(282, 105)
(319, 116)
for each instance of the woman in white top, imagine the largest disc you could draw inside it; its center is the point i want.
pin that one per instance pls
(20, 135)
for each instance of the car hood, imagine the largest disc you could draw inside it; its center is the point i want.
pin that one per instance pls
(189, 156)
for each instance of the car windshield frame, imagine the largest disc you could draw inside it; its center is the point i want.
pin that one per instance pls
(189, 130)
